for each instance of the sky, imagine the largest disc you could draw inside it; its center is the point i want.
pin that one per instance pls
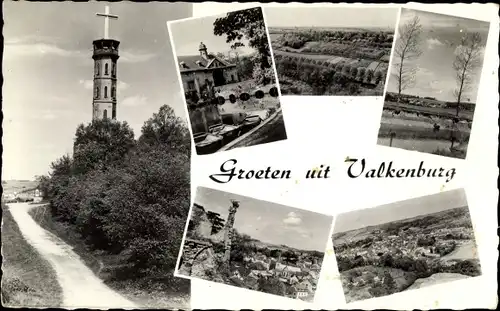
(48, 71)
(400, 210)
(188, 34)
(270, 222)
(440, 38)
(331, 17)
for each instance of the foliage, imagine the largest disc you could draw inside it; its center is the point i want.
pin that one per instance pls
(126, 197)
(324, 78)
(271, 285)
(101, 145)
(216, 220)
(164, 127)
(247, 23)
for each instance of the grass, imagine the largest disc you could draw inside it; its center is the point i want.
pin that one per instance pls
(163, 292)
(438, 111)
(28, 280)
(415, 132)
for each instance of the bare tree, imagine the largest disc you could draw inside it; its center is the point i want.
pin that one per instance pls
(467, 60)
(406, 49)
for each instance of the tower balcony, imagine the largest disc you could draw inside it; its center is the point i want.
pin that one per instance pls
(106, 48)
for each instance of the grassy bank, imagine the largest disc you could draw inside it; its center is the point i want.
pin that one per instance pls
(415, 132)
(150, 293)
(28, 280)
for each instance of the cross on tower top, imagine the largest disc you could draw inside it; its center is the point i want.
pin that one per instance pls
(107, 16)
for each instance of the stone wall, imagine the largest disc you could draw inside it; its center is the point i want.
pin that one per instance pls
(190, 252)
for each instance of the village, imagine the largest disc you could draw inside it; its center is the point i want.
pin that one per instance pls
(215, 251)
(389, 258)
(299, 280)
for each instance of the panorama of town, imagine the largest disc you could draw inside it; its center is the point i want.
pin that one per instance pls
(407, 254)
(215, 251)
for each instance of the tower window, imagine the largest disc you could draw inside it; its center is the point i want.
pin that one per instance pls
(106, 69)
(96, 95)
(105, 114)
(113, 69)
(97, 69)
(113, 92)
(105, 92)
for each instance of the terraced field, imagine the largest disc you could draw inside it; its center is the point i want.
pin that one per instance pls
(361, 56)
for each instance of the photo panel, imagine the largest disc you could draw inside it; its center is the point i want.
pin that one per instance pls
(327, 51)
(96, 175)
(229, 80)
(405, 245)
(253, 244)
(435, 71)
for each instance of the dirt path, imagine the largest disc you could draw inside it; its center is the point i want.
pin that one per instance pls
(81, 288)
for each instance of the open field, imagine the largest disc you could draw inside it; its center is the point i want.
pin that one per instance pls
(18, 186)
(384, 259)
(436, 111)
(28, 280)
(333, 61)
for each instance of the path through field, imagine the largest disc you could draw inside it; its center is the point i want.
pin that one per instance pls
(81, 288)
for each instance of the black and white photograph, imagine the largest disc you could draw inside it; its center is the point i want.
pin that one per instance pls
(342, 51)
(229, 81)
(252, 244)
(405, 245)
(435, 71)
(96, 157)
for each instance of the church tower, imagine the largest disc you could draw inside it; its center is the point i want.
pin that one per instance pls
(105, 55)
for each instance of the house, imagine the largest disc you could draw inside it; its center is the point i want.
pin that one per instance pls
(199, 75)
(303, 289)
(286, 271)
(315, 267)
(293, 280)
(205, 69)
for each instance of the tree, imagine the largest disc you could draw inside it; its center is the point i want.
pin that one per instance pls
(407, 49)
(101, 144)
(389, 282)
(378, 76)
(354, 72)
(361, 73)
(271, 286)
(216, 220)
(247, 23)
(369, 75)
(466, 61)
(165, 128)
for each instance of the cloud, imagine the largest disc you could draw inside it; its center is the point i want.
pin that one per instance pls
(134, 101)
(135, 57)
(433, 42)
(37, 46)
(292, 219)
(87, 84)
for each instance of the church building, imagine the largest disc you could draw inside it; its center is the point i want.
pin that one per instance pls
(205, 69)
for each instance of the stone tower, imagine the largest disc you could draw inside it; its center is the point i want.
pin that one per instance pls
(203, 51)
(229, 231)
(105, 57)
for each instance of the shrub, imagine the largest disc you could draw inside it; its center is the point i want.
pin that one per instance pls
(353, 88)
